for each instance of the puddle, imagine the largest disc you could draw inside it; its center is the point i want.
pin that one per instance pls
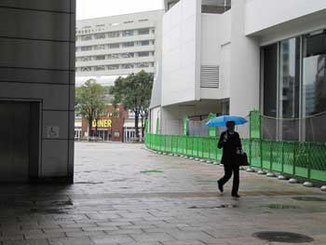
(49, 211)
(88, 183)
(309, 199)
(215, 207)
(285, 237)
(150, 171)
(279, 206)
(62, 203)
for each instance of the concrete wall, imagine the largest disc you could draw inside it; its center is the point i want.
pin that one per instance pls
(181, 46)
(244, 65)
(37, 64)
(215, 51)
(264, 14)
(172, 116)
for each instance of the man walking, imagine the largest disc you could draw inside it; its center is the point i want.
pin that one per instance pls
(231, 144)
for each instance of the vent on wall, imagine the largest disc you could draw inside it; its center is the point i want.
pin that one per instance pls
(209, 76)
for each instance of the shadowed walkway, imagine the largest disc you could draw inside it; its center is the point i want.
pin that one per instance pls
(124, 194)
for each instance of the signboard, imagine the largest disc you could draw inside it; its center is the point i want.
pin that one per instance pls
(102, 123)
(52, 132)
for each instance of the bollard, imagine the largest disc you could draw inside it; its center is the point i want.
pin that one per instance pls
(308, 184)
(282, 177)
(250, 170)
(270, 174)
(261, 172)
(293, 181)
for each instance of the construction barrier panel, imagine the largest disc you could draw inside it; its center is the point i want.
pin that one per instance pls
(296, 159)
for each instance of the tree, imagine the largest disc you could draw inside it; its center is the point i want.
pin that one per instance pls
(134, 92)
(90, 103)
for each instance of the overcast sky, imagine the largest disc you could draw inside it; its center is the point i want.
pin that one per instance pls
(98, 8)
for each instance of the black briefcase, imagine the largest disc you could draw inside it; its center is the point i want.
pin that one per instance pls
(242, 159)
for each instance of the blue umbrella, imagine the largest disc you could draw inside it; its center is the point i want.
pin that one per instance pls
(222, 120)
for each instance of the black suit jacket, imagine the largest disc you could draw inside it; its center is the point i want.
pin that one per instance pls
(229, 147)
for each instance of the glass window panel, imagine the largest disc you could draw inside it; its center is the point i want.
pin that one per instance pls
(289, 88)
(314, 87)
(314, 79)
(269, 67)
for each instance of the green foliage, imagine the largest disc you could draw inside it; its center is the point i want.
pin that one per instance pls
(90, 103)
(134, 92)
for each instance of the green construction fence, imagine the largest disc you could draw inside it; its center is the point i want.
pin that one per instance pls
(298, 159)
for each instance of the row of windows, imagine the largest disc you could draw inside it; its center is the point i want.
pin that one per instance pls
(115, 45)
(115, 56)
(101, 27)
(114, 34)
(115, 67)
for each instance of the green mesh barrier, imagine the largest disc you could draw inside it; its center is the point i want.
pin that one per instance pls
(306, 160)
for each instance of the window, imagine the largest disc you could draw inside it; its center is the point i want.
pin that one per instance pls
(144, 43)
(113, 56)
(128, 44)
(99, 36)
(113, 34)
(143, 31)
(86, 69)
(113, 67)
(86, 48)
(127, 55)
(100, 57)
(99, 47)
(294, 88)
(289, 68)
(211, 7)
(99, 68)
(269, 67)
(314, 74)
(143, 65)
(314, 86)
(127, 33)
(143, 54)
(114, 45)
(127, 66)
(86, 37)
(86, 58)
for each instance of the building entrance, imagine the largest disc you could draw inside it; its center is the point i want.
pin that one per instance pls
(19, 141)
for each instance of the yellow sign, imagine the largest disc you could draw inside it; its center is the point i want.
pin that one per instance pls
(102, 123)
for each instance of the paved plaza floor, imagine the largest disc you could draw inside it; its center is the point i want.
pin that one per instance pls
(124, 194)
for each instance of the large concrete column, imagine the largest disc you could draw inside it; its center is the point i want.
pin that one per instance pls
(245, 60)
(37, 63)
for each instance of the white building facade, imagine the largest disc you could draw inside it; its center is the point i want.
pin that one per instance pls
(226, 57)
(118, 45)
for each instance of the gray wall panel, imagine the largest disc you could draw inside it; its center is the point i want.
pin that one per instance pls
(51, 5)
(55, 97)
(34, 54)
(21, 23)
(36, 76)
(55, 158)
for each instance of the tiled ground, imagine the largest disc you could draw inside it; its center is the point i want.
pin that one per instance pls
(124, 194)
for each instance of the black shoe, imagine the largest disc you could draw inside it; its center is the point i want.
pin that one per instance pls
(220, 186)
(236, 195)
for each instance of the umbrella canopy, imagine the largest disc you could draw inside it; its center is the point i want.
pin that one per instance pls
(222, 120)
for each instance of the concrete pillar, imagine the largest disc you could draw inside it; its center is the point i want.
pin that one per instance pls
(37, 66)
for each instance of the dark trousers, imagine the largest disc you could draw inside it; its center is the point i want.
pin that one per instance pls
(228, 170)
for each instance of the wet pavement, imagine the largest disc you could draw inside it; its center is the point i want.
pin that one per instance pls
(124, 194)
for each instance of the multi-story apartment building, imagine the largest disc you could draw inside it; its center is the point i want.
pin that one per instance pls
(226, 57)
(118, 45)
